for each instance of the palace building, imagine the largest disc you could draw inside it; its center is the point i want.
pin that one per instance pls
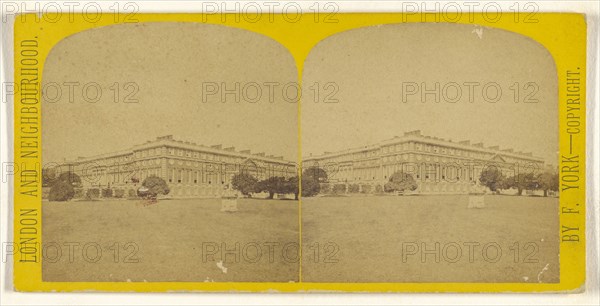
(190, 170)
(438, 165)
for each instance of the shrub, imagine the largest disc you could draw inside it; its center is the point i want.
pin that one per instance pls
(339, 188)
(107, 193)
(378, 188)
(400, 181)
(366, 188)
(61, 191)
(132, 193)
(79, 193)
(156, 186)
(119, 193)
(353, 188)
(325, 188)
(92, 193)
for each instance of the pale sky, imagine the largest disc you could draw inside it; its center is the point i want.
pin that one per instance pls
(369, 66)
(170, 62)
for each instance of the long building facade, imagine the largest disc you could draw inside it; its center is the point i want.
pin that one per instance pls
(190, 170)
(437, 165)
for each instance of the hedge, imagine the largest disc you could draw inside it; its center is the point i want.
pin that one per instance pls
(107, 193)
(353, 188)
(119, 193)
(366, 188)
(339, 188)
(92, 193)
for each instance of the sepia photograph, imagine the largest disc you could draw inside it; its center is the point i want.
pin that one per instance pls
(413, 153)
(430, 155)
(437, 159)
(163, 159)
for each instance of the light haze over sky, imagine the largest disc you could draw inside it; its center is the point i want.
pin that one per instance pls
(170, 62)
(370, 64)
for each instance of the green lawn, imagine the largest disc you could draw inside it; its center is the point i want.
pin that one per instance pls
(370, 235)
(170, 236)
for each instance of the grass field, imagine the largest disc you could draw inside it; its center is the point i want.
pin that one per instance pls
(382, 238)
(345, 239)
(173, 240)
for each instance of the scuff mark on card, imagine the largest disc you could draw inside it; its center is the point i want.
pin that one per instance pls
(542, 272)
(220, 266)
(479, 32)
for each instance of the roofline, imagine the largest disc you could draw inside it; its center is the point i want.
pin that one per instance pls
(424, 139)
(167, 141)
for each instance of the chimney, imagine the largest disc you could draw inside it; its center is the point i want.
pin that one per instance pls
(413, 133)
(166, 137)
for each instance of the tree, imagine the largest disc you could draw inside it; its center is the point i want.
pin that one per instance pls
(548, 181)
(292, 186)
(272, 185)
(70, 178)
(492, 178)
(310, 186)
(61, 191)
(244, 183)
(48, 177)
(315, 173)
(528, 181)
(400, 181)
(155, 186)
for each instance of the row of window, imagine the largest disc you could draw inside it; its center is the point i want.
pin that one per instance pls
(187, 153)
(190, 154)
(426, 172)
(423, 147)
